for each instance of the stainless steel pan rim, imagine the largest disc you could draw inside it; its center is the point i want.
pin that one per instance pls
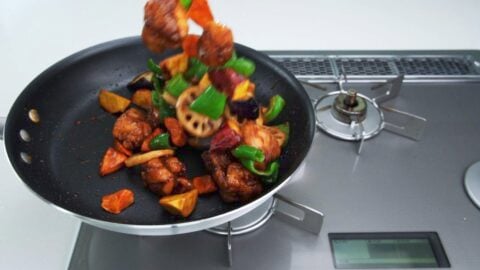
(156, 230)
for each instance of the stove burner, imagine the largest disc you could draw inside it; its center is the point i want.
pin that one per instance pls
(349, 106)
(348, 115)
(472, 183)
(351, 116)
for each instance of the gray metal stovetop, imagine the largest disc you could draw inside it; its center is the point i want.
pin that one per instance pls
(396, 184)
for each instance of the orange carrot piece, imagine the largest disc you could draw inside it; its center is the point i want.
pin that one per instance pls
(190, 45)
(146, 143)
(200, 12)
(177, 134)
(112, 161)
(120, 148)
(204, 184)
(118, 201)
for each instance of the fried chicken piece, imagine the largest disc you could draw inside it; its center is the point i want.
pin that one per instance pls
(234, 181)
(131, 128)
(183, 185)
(164, 176)
(165, 25)
(262, 138)
(215, 46)
(174, 165)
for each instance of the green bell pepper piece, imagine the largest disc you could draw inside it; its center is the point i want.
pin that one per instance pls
(210, 103)
(249, 153)
(165, 110)
(269, 176)
(161, 141)
(176, 85)
(196, 69)
(242, 66)
(186, 4)
(153, 67)
(276, 105)
(233, 58)
(157, 84)
(268, 180)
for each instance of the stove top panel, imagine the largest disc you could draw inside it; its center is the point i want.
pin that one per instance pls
(394, 185)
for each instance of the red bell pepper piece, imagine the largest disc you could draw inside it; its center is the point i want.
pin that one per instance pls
(204, 184)
(117, 201)
(190, 45)
(225, 139)
(200, 12)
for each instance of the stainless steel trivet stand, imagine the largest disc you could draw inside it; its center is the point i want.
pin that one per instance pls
(348, 115)
(310, 221)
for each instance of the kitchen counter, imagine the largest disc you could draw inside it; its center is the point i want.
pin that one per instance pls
(35, 35)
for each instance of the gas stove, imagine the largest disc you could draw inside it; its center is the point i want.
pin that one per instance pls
(386, 201)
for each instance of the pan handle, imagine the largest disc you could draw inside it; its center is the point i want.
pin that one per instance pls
(2, 126)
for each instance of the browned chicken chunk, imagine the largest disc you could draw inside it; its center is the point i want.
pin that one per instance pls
(183, 185)
(164, 176)
(215, 46)
(261, 137)
(165, 25)
(131, 128)
(234, 181)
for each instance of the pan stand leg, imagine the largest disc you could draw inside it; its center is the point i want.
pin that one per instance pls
(398, 122)
(359, 135)
(311, 221)
(229, 244)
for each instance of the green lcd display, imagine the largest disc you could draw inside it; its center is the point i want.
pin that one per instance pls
(387, 250)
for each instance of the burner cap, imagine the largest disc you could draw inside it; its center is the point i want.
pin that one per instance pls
(348, 106)
(472, 183)
(340, 114)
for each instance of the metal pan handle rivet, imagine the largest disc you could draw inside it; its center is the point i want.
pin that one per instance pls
(24, 135)
(26, 157)
(34, 116)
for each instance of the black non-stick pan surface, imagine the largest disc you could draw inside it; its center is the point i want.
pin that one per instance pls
(66, 146)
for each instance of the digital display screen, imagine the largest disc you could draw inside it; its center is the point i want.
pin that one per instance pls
(381, 251)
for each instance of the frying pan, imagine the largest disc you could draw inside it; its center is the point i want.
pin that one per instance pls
(58, 153)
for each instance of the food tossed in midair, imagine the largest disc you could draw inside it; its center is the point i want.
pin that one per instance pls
(165, 25)
(202, 97)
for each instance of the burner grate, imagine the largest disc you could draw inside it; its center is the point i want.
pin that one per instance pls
(433, 66)
(365, 66)
(306, 66)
